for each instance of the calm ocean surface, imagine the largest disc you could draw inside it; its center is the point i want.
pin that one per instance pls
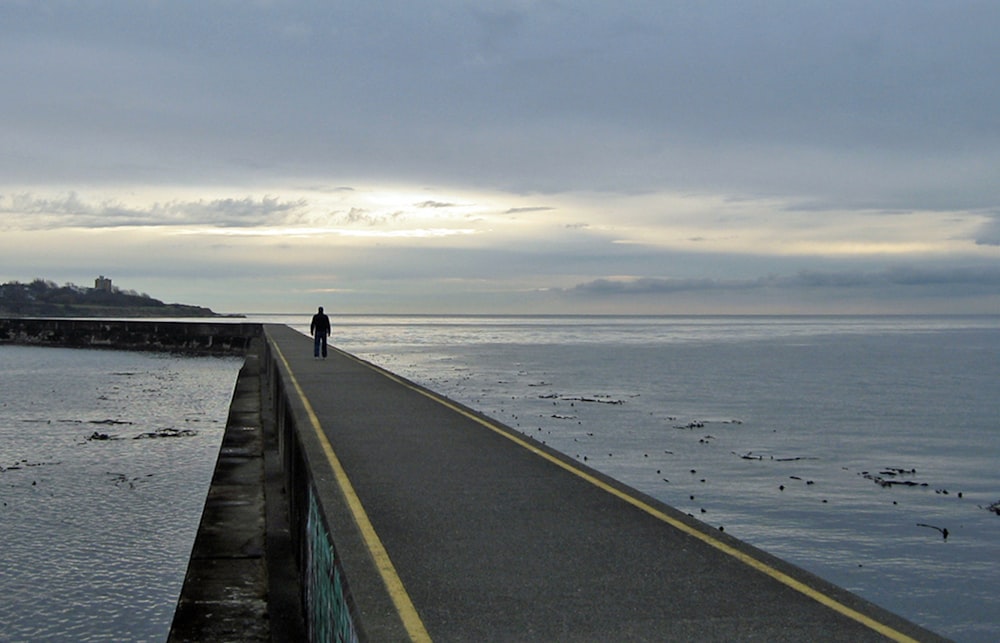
(829, 441)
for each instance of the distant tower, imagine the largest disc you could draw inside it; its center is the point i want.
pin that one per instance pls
(102, 283)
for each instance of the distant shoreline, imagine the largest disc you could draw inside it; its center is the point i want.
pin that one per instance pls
(42, 298)
(98, 312)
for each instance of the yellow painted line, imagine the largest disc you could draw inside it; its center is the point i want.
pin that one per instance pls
(742, 556)
(397, 592)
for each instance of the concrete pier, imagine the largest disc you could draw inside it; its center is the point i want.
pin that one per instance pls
(412, 517)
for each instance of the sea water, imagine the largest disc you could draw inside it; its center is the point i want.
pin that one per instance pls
(845, 445)
(105, 462)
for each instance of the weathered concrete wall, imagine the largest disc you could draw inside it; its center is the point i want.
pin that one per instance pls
(264, 566)
(225, 588)
(241, 583)
(208, 337)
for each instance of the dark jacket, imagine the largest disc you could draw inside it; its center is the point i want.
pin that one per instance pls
(320, 324)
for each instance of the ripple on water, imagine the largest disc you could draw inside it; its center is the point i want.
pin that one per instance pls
(96, 533)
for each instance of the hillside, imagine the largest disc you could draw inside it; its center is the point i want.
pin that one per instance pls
(42, 298)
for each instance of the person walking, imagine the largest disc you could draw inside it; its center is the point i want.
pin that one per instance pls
(320, 330)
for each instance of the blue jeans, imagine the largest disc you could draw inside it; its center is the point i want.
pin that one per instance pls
(319, 342)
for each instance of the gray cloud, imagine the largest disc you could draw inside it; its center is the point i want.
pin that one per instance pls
(989, 233)
(853, 102)
(365, 217)
(987, 277)
(434, 204)
(528, 209)
(652, 285)
(29, 212)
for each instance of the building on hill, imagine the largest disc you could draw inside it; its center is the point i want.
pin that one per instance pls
(102, 283)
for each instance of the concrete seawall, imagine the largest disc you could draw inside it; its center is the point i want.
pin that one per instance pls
(242, 581)
(201, 337)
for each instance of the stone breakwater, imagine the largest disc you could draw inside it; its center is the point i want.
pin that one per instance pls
(199, 337)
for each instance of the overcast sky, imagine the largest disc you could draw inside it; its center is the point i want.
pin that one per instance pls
(506, 155)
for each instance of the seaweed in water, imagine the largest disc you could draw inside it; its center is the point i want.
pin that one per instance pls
(598, 399)
(750, 455)
(23, 464)
(886, 477)
(96, 435)
(120, 479)
(167, 432)
(943, 530)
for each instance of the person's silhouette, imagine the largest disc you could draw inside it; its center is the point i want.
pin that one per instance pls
(320, 330)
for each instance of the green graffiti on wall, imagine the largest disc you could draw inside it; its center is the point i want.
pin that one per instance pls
(328, 615)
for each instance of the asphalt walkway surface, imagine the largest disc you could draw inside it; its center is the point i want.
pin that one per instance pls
(494, 537)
